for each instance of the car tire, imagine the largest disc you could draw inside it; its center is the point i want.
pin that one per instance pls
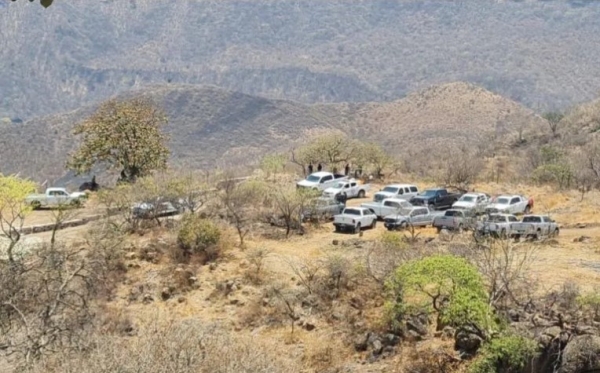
(403, 225)
(357, 228)
(439, 230)
(503, 234)
(337, 229)
(555, 232)
(374, 224)
(36, 205)
(361, 194)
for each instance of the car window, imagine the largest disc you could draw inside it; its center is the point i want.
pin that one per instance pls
(353, 185)
(421, 212)
(502, 201)
(313, 179)
(413, 189)
(392, 204)
(453, 213)
(546, 219)
(513, 219)
(532, 219)
(352, 212)
(443, 192)
(326, 178)
(400, 191)
(515, 200)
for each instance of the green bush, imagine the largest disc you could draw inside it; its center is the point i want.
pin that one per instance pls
(505, 354)
(444, 284)
(199, 236)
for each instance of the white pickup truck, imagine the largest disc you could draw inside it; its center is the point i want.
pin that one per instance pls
(321, 180)
(399, 191)
(390, 206)
(354, 219)
(55, 197)
(507, 204)
(534, 226)
(476, 202)
(351, 188)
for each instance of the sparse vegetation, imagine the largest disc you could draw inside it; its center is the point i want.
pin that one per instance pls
(198, 236)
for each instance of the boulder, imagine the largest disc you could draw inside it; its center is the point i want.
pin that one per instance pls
(416, 326)
(581, 355)
(165, 293)
(467, 341)
(361, 343)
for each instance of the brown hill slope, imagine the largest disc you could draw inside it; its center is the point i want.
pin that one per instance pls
(210, 126)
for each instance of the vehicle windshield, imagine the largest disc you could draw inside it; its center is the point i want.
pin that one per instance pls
(339, 185)
(351, 212)
(532, 219)
(313, 179)
(390, 190)
(428, 193)
(502, 201)
(467, 199)
(453, 213)
(497, 219)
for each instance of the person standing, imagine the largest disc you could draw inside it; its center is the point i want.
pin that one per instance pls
(319, 167)
(347, 169)
(310, 168)
(342, 198)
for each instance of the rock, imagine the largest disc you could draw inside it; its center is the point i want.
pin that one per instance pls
(582, 354)
(416, 326)
(147, 299)
(582, 239)
(234, 301)
(181, 299)
(335, 242)
(165, 293)
(585, 329)
(356, 303)
(429, 239)
(580, 225)
(467, 342)
(307, 325)
(390, 339)
(413, 336)
(133, 265)
(244, 264)
(377, 347)
(212, 266)
(361, 342)
(514, 315)
(130, 256)
(448, 332)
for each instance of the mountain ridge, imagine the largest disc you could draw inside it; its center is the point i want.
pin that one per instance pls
(539, 53)
(210, 126)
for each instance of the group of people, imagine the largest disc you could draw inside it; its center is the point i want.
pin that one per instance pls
(357, 171)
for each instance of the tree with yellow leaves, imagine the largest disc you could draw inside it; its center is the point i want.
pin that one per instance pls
(13, 209)
(122, 135)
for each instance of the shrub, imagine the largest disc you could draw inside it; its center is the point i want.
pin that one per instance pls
(444, 284)
(591, 304)
(506, 354)
(199, 236)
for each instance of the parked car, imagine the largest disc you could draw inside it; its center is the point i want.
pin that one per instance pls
(55, 197)
(454, 219)
(321, 180)
(323, 208)
(354, 219)
(399, 191)
(386, 207)
(351, 188)
(535, 226)
(510, 204)
(412, 216)
(437, 198)
(497, 225)
(476, 202)
(155, 209)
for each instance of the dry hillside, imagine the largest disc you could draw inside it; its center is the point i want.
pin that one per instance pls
(210, 126)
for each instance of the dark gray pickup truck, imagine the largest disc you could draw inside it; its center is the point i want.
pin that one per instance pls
(437, 198)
